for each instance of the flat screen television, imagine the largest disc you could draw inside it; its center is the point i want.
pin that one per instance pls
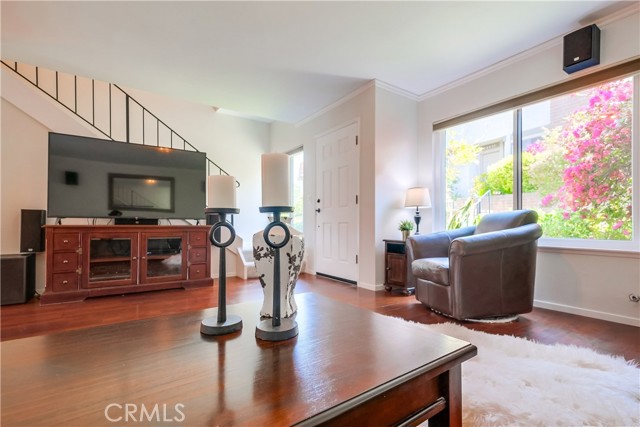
(97, 178)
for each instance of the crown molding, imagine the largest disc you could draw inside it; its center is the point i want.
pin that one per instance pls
(368, 85)
(396, 90)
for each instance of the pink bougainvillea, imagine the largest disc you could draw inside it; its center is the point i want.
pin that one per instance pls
(596, 181)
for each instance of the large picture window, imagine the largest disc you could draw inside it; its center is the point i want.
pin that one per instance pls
(569, 157)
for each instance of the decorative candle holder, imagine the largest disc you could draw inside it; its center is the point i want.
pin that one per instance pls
(222, 324)
(276, 328)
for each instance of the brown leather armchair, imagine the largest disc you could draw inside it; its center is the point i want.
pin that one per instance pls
(480, 272)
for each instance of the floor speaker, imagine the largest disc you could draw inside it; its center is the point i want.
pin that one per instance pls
(581, 49)
(31, 230)
(18, 276)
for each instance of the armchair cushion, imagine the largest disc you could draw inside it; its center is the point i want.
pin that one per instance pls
(432, 269)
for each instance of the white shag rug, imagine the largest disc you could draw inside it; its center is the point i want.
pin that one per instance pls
(517, 382)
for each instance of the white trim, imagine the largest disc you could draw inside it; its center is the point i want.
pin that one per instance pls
(370, 287)
(595, 314)
(336, 128)
(397, 90)
(371, 83)
(361, 89)
(589, 251)
(490, 69)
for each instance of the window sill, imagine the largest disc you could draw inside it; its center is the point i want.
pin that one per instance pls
(618, 253)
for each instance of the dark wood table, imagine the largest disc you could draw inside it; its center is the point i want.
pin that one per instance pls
(348, 366)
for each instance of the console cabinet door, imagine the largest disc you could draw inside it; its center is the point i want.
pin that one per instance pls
(163, 257)
(396, 270)
(110, 259)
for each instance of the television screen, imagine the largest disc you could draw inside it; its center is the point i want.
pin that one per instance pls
(97, 178)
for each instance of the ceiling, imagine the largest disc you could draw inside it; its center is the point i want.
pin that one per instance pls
(283, 60)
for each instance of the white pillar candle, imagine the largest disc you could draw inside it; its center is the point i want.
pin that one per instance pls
(222, 191)
(275, 180)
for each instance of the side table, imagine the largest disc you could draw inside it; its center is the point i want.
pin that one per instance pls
(395, 266)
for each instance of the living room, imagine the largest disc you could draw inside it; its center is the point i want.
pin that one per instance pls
(390, 154)
(397, 151)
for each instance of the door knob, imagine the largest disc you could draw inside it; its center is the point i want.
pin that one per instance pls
(318, 210)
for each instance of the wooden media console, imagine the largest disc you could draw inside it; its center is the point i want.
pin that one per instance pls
(90, 260)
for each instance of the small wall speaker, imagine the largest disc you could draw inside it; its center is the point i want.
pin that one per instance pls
(581, 49)
(31, 230)
(18, 274)
(71, 178)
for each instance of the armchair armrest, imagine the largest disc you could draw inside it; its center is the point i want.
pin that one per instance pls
(431, 246)
(495, 240)
(434, 244)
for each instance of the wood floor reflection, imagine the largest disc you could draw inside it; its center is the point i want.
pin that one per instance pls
(546, 326)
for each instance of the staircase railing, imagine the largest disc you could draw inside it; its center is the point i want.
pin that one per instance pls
(115, 94)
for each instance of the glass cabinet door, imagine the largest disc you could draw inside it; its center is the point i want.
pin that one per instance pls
(164, 257)
(111, 259)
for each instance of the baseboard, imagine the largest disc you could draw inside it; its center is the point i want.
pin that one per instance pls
(371, 287)
(229, 274)
(617, 318)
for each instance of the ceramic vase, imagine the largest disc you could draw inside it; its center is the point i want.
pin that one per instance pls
(291, 256)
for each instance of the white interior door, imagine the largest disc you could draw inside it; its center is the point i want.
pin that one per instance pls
(337, 160)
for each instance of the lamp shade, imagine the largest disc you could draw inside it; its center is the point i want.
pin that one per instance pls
(417, 197)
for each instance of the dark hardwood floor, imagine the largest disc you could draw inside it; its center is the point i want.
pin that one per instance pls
(545, 326)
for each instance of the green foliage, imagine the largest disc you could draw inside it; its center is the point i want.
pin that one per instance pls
(499, 177)
(546, 170)
(459, 153)
(462, 216)
(405, 225)
(561, 225)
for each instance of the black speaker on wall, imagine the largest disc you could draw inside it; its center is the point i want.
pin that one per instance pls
(581, 49)
(31, 230)
(18, 273)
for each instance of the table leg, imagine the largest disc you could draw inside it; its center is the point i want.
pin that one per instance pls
(451, 386)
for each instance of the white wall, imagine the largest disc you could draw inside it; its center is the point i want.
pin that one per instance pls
(395, 169)
(579, 282)
(388, 147)
(23, 177)
(284, 137)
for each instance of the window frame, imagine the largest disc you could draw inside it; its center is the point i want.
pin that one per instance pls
(292, 153)
(439, 151)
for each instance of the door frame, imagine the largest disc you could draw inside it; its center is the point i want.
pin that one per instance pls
(316, 137)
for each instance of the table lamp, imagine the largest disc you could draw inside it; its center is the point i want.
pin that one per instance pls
(417, 197)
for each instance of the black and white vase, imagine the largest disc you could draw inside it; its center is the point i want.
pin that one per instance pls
(291, 256)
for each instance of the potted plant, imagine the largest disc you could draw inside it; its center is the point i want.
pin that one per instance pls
(405, 226)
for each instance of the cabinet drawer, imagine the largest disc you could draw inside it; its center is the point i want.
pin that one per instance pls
(198, 238)
(65, 261)
(197, 255)
(61, 282)
(197, 271)
(66, 241)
